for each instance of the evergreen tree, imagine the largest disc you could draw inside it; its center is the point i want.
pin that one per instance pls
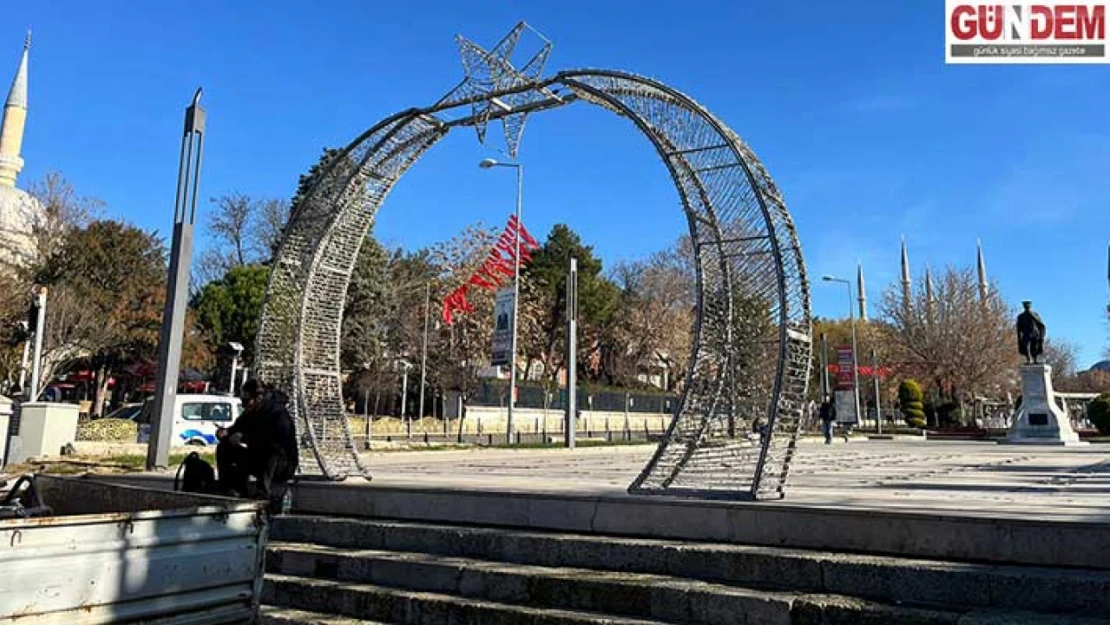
(545, 295)
(229, 309)
(107, 288)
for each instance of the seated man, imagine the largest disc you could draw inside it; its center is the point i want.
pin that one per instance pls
(261, 443)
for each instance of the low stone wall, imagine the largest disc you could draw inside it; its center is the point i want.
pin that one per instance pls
(491, 420)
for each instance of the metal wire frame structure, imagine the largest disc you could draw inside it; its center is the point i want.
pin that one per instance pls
(734, 431)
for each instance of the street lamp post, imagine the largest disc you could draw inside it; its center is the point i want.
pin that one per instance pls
(855, 360)
(237, 349)
(36, 364)
(875, 383)
(404, 396)
(26, 357)
(177, 286)
(424, 350)
(487, 164)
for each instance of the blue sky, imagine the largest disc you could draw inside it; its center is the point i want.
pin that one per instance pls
(849, 104)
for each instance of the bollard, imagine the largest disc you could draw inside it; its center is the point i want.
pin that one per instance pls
(425, 438)
(490, 440)
(518, 437)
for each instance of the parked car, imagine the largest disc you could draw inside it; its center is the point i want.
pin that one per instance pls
(195, 418)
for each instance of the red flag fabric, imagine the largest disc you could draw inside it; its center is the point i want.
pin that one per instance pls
(498, 264)
(507, 249)
(480, 282)
(456, 301)
(507, 242)
(490, 274)
(525, 238)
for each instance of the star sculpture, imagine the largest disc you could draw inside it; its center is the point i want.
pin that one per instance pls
(490, 72)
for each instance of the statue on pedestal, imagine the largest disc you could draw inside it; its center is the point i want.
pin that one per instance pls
(1030, 333)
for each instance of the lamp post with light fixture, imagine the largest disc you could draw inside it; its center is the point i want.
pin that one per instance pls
(852, 319)
(487, 164)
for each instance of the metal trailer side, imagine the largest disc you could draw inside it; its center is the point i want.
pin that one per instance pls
(114, 554)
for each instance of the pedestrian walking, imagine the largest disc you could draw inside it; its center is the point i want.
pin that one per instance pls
(828, 418)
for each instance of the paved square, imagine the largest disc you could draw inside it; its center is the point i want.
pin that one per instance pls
(971, 478)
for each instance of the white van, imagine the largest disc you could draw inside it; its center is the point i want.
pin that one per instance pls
(195, 418)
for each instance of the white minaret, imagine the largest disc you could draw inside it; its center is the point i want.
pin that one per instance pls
(15, 119)
(984, 286)
(907, 282)
(862, 292)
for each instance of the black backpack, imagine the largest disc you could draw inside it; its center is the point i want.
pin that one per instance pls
(199, 477)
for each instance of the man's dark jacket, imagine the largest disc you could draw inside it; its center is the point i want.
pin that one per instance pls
(269, 430)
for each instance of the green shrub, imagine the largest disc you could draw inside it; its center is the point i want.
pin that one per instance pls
(910, 391)
(1099, 413)
(912, 402)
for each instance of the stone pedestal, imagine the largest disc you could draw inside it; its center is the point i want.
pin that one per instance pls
(1040, 420)
(44, 429)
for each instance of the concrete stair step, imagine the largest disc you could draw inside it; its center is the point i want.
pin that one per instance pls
(893, 580)
(634, 595)
(272, 615)
(417, 608)
(700, 606)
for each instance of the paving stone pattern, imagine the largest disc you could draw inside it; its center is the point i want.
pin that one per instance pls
(968, 478)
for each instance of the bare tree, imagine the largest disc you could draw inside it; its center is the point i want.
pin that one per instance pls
(462, 348)
(244, 230)
(69, 321)
(32, 237)
(654, 319)
(1091, 381)
(957, 344)
(209, 266)
(61, 211)
(1061, 355)
(231, 225)
(270, 225)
